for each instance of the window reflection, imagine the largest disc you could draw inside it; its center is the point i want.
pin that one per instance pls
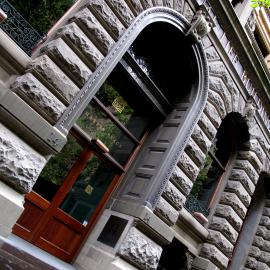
(54, 173)
(88, 190)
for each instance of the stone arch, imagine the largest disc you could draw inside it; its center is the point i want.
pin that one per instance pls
(84, 48)
(114, 54)
(223, 98)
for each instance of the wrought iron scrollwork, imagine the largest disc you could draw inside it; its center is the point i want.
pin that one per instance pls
(18, 28)
(194, 205)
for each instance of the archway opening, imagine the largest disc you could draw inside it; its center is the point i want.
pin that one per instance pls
(230, 137)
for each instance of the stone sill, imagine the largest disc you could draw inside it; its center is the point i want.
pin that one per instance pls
(12, 53)
(190, 231)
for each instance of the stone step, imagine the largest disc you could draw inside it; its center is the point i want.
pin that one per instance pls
(17, 254)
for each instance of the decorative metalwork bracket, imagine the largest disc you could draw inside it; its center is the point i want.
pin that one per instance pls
(201, 24)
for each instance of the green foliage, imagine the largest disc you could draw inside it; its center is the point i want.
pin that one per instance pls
(260, 3)
(202, 177)
(58, 166)
(42, 14)
(97, 125)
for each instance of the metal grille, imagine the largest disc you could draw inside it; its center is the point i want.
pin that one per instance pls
(18, 28)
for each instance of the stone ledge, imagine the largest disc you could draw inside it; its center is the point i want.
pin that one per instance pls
(16, 57)
(192, 224)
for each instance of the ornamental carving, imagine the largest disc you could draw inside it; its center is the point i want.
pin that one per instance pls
(201, 24)
(249, 112)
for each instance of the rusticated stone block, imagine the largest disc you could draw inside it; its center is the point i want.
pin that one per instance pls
(217, 85)
(218, 69)
(251, 263)
(212, 114)
(259, 242)
(227, 212)
(94, 31)
(264, 244)
(257, 149)
(261, 231)
(179, 5)
(248, 168)
(218, 103)
(262, 266)
(140, 250)
(212, 54)
(157, 3)
(188, 166)
(265, 221)
(56, 80)
(135, 6)
(218, 239)
(201, 139)
(181, 180)
(254, 252)
(252, 157)
(188, 12)
(123, 12)
(168, 3)
(38, 96)
(174, 196)
(72, 34)
(147, 4)
(237, 188)
(207, 127)
(265, 257)
(107, 18)
(223, 226)
(233, 200)
(20, 165)
(69, 62)
(241, 175)
(194, 152)
(212, 253)
(267, 234)
(166, 212)
(266, 211)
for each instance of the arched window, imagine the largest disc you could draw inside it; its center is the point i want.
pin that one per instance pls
(212, 177)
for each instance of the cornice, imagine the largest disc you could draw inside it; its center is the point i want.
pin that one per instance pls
(252, 64)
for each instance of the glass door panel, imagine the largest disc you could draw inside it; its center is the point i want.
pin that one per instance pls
(99, 126)
(56, 170)
(134, 120)
(88, 190)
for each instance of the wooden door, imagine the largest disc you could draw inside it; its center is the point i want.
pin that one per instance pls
(75, 184)
(59, 225)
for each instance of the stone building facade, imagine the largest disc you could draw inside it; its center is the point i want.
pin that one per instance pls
(215, 82)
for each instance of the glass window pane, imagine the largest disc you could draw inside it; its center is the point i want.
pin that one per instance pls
(130, 117)
(88, 190)
(99, 126)
(206, 181)
(56, 170)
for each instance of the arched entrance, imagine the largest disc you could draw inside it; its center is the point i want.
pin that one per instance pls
(135, 100)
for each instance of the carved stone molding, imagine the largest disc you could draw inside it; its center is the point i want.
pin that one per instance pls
(249, 111)
(201, 24)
